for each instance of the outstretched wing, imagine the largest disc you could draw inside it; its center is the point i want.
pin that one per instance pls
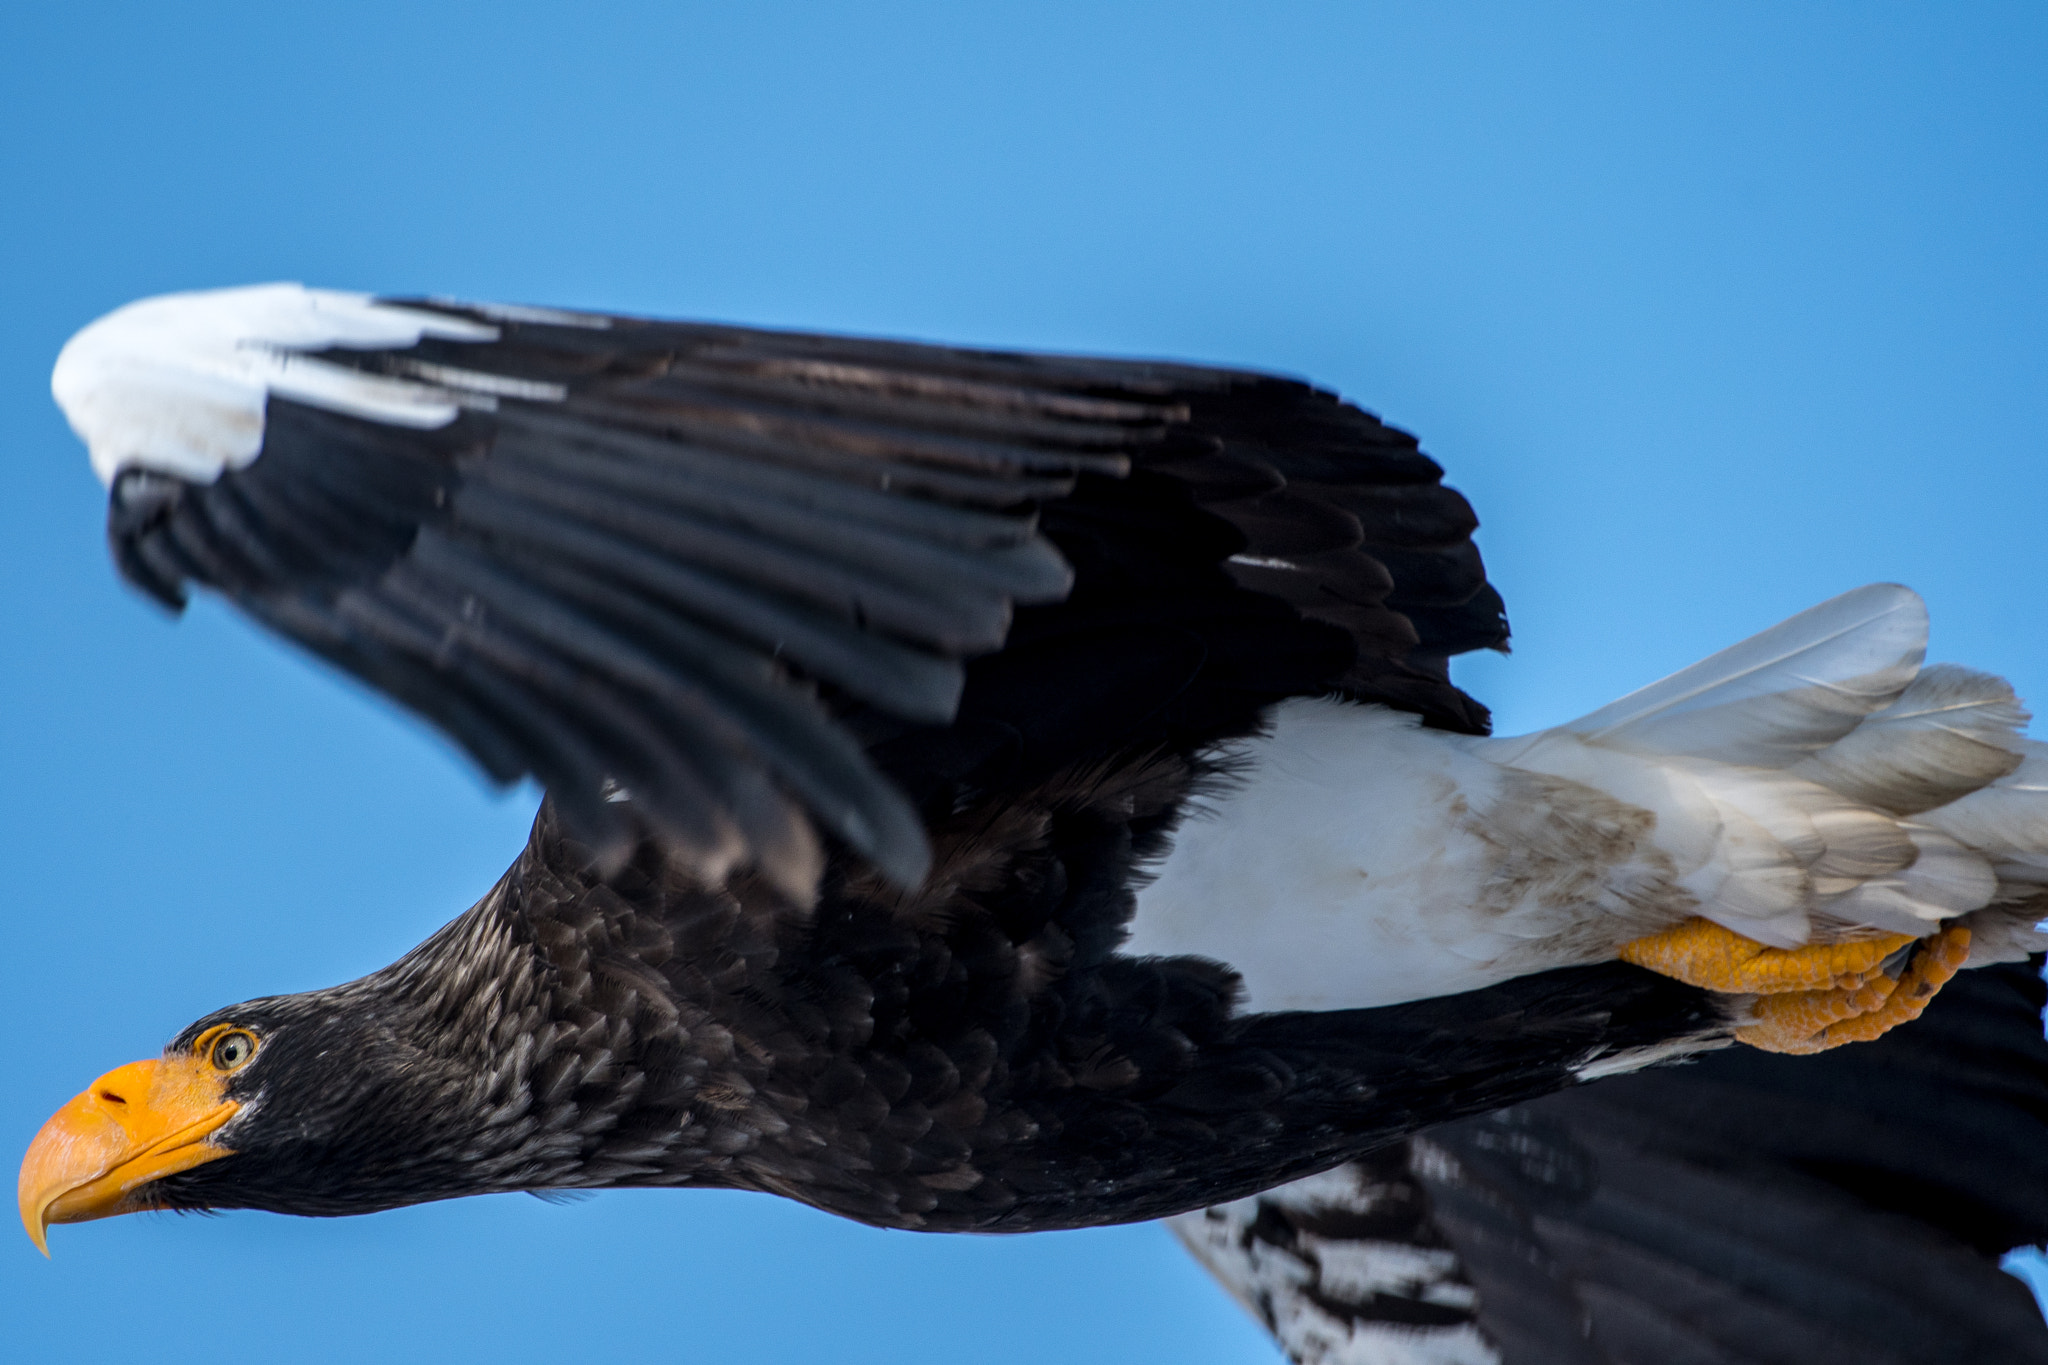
(1748, 1208)
(684, 574)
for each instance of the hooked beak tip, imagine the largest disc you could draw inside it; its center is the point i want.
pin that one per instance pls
(135, 1124)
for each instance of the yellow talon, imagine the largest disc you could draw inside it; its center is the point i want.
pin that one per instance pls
(1701, 953)
(1813, 998)
(1814, 1021)
(1799, 1021)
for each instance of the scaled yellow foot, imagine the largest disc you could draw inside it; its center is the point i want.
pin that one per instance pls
(1813, 1021)
(1816, 997)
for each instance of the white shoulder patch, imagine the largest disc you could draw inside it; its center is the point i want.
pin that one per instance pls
(177, 383)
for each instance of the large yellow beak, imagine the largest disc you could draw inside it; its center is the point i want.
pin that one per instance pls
(135, 1124)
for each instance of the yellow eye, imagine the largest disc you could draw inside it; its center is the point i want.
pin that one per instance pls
(232, 1049)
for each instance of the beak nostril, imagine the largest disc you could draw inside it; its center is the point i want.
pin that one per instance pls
(111, 1098)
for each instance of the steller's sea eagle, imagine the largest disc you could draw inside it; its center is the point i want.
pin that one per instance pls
(986, 792)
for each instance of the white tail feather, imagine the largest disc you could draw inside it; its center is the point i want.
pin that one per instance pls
(2007, 820)
(1783, 770)
(1947, 879)
(1948, 734)
(1779, 695)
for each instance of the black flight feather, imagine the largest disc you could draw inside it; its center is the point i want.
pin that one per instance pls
(1745, 1209)
(686, 560)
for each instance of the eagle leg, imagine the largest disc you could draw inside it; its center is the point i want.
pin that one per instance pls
(1814, 1021)
(1701, 953)
(1812, 998)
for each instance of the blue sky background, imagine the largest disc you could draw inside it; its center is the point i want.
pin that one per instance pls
(1714, 311)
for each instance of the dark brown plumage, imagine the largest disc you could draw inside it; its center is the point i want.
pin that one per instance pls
(972, 1057)
(869, 681)
(635, 582)
(952, 1044)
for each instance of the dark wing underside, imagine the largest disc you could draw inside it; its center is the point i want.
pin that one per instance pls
(705, 582)
(1749, 1209)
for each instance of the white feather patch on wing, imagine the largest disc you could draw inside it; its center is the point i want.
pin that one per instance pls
(178, 383)
(1327, 1289)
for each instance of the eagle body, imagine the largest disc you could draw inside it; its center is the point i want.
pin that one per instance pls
(976, 1057)
(986, 792)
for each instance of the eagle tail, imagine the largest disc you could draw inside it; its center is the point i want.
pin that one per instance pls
(1815, 782)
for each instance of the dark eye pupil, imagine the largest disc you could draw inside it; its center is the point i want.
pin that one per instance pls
(231, 1052)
